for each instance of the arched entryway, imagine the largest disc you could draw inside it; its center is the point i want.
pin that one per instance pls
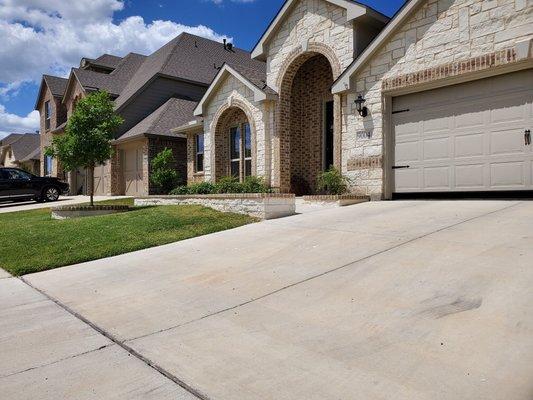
(233, 144)
(306, 114)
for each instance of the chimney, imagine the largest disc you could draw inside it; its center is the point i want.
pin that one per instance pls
(230, 46)
(225, 45)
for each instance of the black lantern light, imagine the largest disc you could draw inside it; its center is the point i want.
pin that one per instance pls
(361, 109)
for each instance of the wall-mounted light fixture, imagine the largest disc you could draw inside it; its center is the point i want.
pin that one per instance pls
(361, 109)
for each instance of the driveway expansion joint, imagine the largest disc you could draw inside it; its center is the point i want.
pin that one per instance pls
(351, 263)
(195, 392)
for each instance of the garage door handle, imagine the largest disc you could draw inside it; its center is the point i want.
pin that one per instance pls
(527, 137)
(401, 166)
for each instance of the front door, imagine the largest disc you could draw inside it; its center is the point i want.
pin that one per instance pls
(328, 136)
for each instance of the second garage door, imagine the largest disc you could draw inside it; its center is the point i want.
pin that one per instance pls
(132, 158)
(468, 137)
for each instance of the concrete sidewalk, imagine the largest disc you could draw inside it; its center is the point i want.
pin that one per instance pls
(404, 300)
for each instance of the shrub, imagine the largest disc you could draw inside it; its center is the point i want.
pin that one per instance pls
(163, 173)
(180, 190)
(228, 184)
(332, 182)
(253, 184)
(201, 188)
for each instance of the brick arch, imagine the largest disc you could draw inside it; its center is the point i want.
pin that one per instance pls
(313, 48)
(220, 146)
(284, 139)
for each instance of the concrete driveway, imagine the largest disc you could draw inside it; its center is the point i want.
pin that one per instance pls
(386, 300)
(6, 207)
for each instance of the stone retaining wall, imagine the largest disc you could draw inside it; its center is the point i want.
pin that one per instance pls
(339, 201)
(263, 206)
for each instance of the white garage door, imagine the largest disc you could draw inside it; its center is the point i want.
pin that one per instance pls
(467, 137)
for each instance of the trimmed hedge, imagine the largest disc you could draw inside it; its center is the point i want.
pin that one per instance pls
(229, 184)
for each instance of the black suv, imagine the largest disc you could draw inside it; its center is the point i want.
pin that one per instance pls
(16, 184)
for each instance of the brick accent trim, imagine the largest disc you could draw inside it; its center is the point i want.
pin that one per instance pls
(455, 68)
(313, 49)
(355, 164)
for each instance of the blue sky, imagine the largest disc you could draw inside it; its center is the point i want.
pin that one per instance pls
(52, 37)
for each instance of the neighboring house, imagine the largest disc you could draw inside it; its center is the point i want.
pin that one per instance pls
(152, 93)
(21, 150)
(447, 88)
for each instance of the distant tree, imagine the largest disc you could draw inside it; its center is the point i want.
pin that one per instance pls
(88, 135)
(163, 173)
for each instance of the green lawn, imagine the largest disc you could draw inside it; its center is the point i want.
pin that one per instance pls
(31, 241)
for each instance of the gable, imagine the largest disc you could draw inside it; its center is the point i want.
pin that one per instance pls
(426, 34)
(352, 9)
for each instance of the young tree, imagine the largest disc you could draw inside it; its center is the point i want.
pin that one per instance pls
(88, 134)
(163, 173)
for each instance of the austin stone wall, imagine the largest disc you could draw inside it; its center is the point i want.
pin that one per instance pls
(442, 38)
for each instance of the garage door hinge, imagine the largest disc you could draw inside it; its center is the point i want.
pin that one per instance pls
(401, 111)
(401, 166)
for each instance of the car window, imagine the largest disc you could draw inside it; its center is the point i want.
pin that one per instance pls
(17, 174)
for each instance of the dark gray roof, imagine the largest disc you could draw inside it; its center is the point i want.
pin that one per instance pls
(56, 84)
(175, 112)
(107, 60)
(35, 155)
(10, 139)
(188, 57)
(256, 76)
(114, 82)
(25, 145)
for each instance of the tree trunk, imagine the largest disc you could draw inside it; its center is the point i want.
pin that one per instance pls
(90, 183)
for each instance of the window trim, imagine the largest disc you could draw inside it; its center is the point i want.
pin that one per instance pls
(242, 150)
(47, 115)
(197, 153)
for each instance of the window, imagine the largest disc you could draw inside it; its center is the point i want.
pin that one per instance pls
(199, 161)
(47, 115)
(48, 161)
(16, 174)
(241, 151)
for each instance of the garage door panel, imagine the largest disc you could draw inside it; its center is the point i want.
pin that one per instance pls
(133, 171)
(471, 145)
(508, 174)
(408, 179)
(507, 142)
(470, 176)
(437, 178)
(437, 149)
(475, 142)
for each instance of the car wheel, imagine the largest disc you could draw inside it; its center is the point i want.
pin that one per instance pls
(51, 193)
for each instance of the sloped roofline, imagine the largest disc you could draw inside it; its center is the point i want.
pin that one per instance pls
(342, 84)
(353, 9)
(259, 95)
(41, 91)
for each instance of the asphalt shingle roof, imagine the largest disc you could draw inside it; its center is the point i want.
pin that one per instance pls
(10, 139)
(114, 82)
(25, 145)
(187, 57)
(175, 112)
(56, 84)
(107, 60)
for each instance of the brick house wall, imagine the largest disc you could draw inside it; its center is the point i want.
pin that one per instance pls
(310, 90)
(440, 39)
(58, 116)
(153, 147)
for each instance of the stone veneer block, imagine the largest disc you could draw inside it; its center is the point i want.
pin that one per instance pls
(260, 205)
(336, 200)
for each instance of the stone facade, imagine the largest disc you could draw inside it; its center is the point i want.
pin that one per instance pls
(443, 38)
(261, 205)
(235, 94)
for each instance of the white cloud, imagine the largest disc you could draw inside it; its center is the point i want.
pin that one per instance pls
(10, 123)
(51, 36)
